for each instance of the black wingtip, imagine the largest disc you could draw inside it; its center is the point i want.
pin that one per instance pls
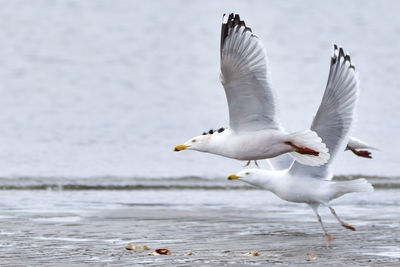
(232, 21)
(338, 53)
(334, 54)
(212, 131)
(236, 20)
(347, 58)
(341, 52)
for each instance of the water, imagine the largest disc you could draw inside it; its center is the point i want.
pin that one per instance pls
(92, 228)
(100, 88)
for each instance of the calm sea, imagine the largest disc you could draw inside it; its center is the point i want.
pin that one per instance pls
(108, 88)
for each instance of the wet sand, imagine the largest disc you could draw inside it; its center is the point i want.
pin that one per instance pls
(91, 228)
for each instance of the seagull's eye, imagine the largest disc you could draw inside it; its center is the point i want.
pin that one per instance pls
(247, 173)
(194, 141)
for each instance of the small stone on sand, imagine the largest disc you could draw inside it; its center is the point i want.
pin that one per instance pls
(130, 247)
(134, 248)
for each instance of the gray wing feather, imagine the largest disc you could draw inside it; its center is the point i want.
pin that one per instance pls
(335, 115)
(251, 100)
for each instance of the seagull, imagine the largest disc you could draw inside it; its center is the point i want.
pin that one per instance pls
(313, 185)
(254, 130)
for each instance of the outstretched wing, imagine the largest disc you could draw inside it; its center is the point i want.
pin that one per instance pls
(251, 101)
(335, 114)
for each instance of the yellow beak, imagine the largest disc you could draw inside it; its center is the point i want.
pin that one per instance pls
(232, 177)
(180, 147)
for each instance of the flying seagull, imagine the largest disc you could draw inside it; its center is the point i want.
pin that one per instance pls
(254, 129)
(313, 185)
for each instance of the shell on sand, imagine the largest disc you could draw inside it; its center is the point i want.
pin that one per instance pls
(134, 248)
(160, 251)
(252, 254)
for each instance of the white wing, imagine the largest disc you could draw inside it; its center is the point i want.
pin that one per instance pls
(335, 114)
(251, 101)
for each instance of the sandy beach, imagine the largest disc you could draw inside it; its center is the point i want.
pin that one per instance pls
(92, 228)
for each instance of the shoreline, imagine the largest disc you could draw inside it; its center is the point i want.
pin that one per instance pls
(135, 183)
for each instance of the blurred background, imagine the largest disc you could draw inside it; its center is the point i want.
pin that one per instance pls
(108, 88)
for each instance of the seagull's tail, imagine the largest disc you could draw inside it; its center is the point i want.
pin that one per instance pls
(358, 185)
(308, 148)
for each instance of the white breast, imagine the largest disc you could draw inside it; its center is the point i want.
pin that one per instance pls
(248, 146)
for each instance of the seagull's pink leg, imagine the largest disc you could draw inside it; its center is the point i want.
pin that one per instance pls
(345, 225)
(328, 237)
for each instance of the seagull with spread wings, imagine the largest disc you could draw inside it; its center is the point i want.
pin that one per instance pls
(254, 129)
(334, 118)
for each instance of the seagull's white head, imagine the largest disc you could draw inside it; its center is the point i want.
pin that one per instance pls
(199, 143)
(256, 177)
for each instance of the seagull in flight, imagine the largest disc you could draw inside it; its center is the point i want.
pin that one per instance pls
(334, 118)
(254, 131)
